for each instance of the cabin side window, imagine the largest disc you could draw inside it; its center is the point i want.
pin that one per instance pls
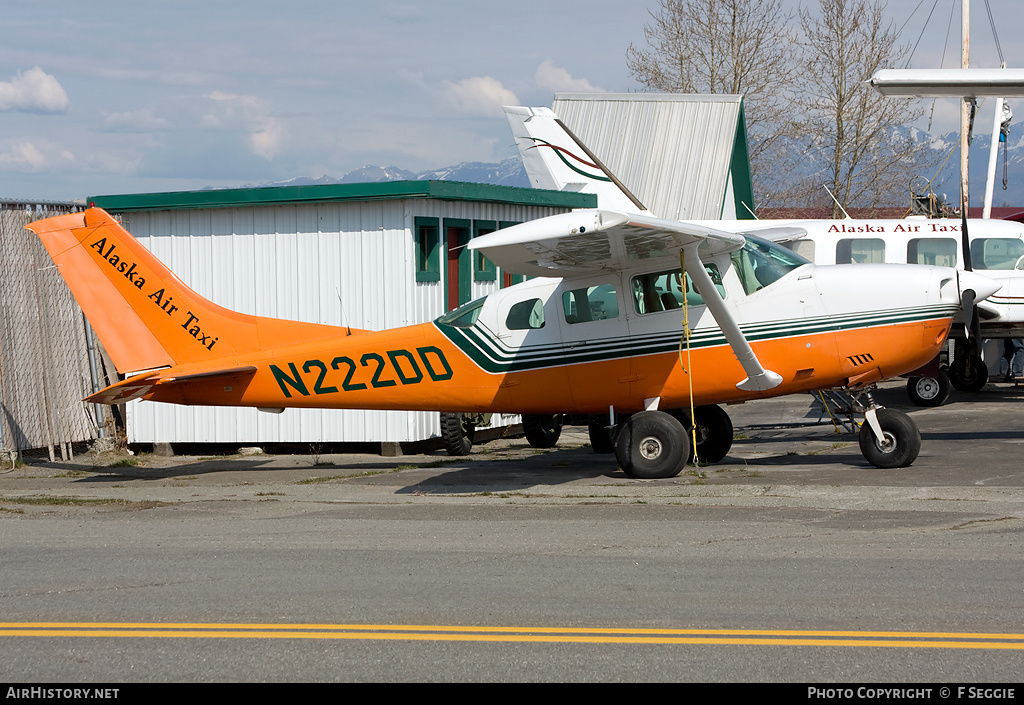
(526, 315)
(996, 252)
(939, 251)
(592, 303)
(863, 250)
(668, 290)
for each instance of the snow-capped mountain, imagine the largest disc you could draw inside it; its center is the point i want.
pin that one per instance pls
(510, 172)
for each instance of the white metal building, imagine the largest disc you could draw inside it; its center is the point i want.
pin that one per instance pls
(370, 256)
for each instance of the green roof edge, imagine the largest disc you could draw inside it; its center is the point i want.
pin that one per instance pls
(383, 190)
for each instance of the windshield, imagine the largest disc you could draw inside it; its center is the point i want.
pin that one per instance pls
(761, 263)
(464, 316)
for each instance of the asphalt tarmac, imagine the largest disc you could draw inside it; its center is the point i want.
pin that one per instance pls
(790, 560)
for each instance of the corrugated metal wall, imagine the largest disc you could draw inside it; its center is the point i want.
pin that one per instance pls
(44, 356)
(346, 263)
(673, 152)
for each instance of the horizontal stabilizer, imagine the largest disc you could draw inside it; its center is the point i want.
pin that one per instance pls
(141, 385)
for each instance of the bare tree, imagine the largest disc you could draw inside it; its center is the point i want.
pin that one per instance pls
(852, 130)
(723, 46)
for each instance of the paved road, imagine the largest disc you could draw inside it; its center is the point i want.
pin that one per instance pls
(792, 560)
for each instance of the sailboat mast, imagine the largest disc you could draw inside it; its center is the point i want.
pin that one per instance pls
(965, 41)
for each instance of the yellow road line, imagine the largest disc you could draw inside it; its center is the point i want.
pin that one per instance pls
(743, 637)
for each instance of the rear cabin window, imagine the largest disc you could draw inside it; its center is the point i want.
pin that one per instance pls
(593, 303)
(996, 252)
(860, 251)
(939, 251)
(526, 315)
(668, 290)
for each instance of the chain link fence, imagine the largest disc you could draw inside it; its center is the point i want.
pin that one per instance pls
(45, 366)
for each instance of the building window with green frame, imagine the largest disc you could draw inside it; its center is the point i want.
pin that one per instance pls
(483, 268)
(428, 251)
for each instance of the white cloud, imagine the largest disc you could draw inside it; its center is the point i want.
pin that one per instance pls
(479, 96)
(25, 156)
(265, 134)
(554, 78)
(140, 121)
(33, 91)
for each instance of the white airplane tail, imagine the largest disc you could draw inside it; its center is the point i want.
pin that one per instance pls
(556, 159)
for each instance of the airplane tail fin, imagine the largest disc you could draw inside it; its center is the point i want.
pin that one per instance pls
(556, 159)
(144, 315)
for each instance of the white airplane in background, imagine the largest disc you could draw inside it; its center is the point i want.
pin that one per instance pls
(555, 159)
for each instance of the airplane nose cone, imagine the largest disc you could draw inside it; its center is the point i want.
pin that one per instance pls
(982, 286)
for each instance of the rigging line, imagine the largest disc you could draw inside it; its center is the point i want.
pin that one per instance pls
(911, 56)
(992, 22)
(686, 337)
(942, 62)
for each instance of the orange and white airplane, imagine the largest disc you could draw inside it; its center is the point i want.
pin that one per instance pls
(599, 333)
(996, 247)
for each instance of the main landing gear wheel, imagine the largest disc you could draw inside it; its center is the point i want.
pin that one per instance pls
(929, 391)
(457, 433)
(714, 433)
(542, 430)
(968, 374)
(651, 445)
(901, 440)
(602, 438)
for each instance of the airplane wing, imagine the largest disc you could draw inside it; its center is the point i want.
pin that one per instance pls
(590, 241)
(777, 233)
(595, 240)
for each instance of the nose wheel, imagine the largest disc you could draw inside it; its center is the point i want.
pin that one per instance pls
(889, 438)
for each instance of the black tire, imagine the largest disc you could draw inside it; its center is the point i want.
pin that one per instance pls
(602, 438)
(714, 433)
(968, 374)
(542, 430)
(457, 433)
(651, 445)
(929, 391)
(903, 440)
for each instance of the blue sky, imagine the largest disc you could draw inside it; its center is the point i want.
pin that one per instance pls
(125, 97)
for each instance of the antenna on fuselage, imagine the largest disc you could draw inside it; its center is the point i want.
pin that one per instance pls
(824, 186)
(343, 316)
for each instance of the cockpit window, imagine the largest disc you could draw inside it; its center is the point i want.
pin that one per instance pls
(664, 291)
(464, 316)
(761, 263)
(592, 303)
(996, 252)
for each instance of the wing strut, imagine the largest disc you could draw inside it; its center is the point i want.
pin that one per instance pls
(758, 378)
